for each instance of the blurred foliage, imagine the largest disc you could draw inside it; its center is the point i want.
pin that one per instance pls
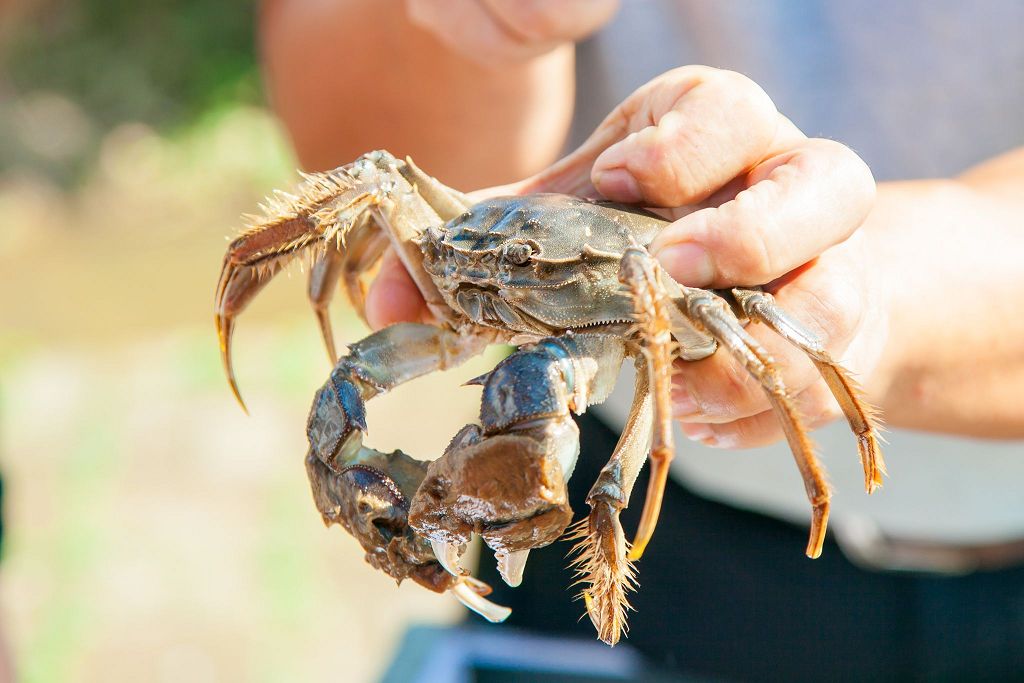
(77, 69)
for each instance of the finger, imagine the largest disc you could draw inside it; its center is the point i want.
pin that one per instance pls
(828, 299)
(495, 191)
(483, 32)
(814, 404)
(393, 296)
(572, 174)
(691, 131)
(796, 205)
(541, 21)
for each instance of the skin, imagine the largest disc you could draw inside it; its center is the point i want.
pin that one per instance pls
(913, 284)
(363, 65)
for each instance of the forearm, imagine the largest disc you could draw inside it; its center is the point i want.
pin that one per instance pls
(346, 77)
(950, 254)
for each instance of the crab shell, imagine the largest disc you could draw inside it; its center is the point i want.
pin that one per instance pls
(538, 264)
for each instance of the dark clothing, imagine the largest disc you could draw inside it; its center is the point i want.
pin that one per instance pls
(729, 594)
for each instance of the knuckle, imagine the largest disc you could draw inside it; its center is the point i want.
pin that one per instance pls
(743, 256)
(659, 166)
(848, 172)
(749, 105)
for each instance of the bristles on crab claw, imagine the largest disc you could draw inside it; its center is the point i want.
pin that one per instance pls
(470, 592)
(601, 564)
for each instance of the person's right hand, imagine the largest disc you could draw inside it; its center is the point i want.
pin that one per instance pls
(753, 201)
(500, 31)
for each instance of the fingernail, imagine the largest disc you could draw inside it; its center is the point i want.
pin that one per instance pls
(618, 185)
(687, 263)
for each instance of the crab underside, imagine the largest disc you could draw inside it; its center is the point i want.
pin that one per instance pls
(568, 281)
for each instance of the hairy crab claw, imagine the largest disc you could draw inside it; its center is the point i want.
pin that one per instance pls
(470, 592)
(511, 566)
(372, 505)
(448, 555)
(507, 488)
(387, 498)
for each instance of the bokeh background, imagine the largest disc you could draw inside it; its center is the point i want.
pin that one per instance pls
(152, 530)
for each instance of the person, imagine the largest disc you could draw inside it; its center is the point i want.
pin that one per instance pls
(913, 283)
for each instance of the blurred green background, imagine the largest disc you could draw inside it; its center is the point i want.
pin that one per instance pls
(152, 531)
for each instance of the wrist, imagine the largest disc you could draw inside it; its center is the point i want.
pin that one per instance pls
(943, 256)
(900, 248)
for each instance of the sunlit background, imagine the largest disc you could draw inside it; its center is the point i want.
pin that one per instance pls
(152, 530)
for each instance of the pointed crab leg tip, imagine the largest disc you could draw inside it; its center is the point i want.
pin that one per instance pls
(326, 331)
(490, 611)
(238, 396)
(511, 566)
(447, 555)
(225, 327)
(819, 522)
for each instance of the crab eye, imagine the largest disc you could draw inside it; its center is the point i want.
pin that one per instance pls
(518, 253)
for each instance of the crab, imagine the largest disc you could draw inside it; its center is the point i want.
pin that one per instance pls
(568, 281)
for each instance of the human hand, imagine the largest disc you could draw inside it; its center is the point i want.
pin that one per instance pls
(501, 31)
(753, 201)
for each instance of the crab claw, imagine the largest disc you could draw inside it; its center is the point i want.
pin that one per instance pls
(369, 499)
(506, 487)
(511, 566)
(448, 555)
(470, 592)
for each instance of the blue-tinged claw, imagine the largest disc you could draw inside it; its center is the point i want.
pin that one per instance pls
(338, 420)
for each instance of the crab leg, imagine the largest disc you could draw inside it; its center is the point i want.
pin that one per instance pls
(714, 314)
(861, 415)
(323, 279)
(362, 252)
(652, 309)
(328, 205)
(364, 245)
(505, 478)
(601, 560)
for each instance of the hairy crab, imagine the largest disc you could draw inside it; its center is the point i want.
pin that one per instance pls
(568, 281)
